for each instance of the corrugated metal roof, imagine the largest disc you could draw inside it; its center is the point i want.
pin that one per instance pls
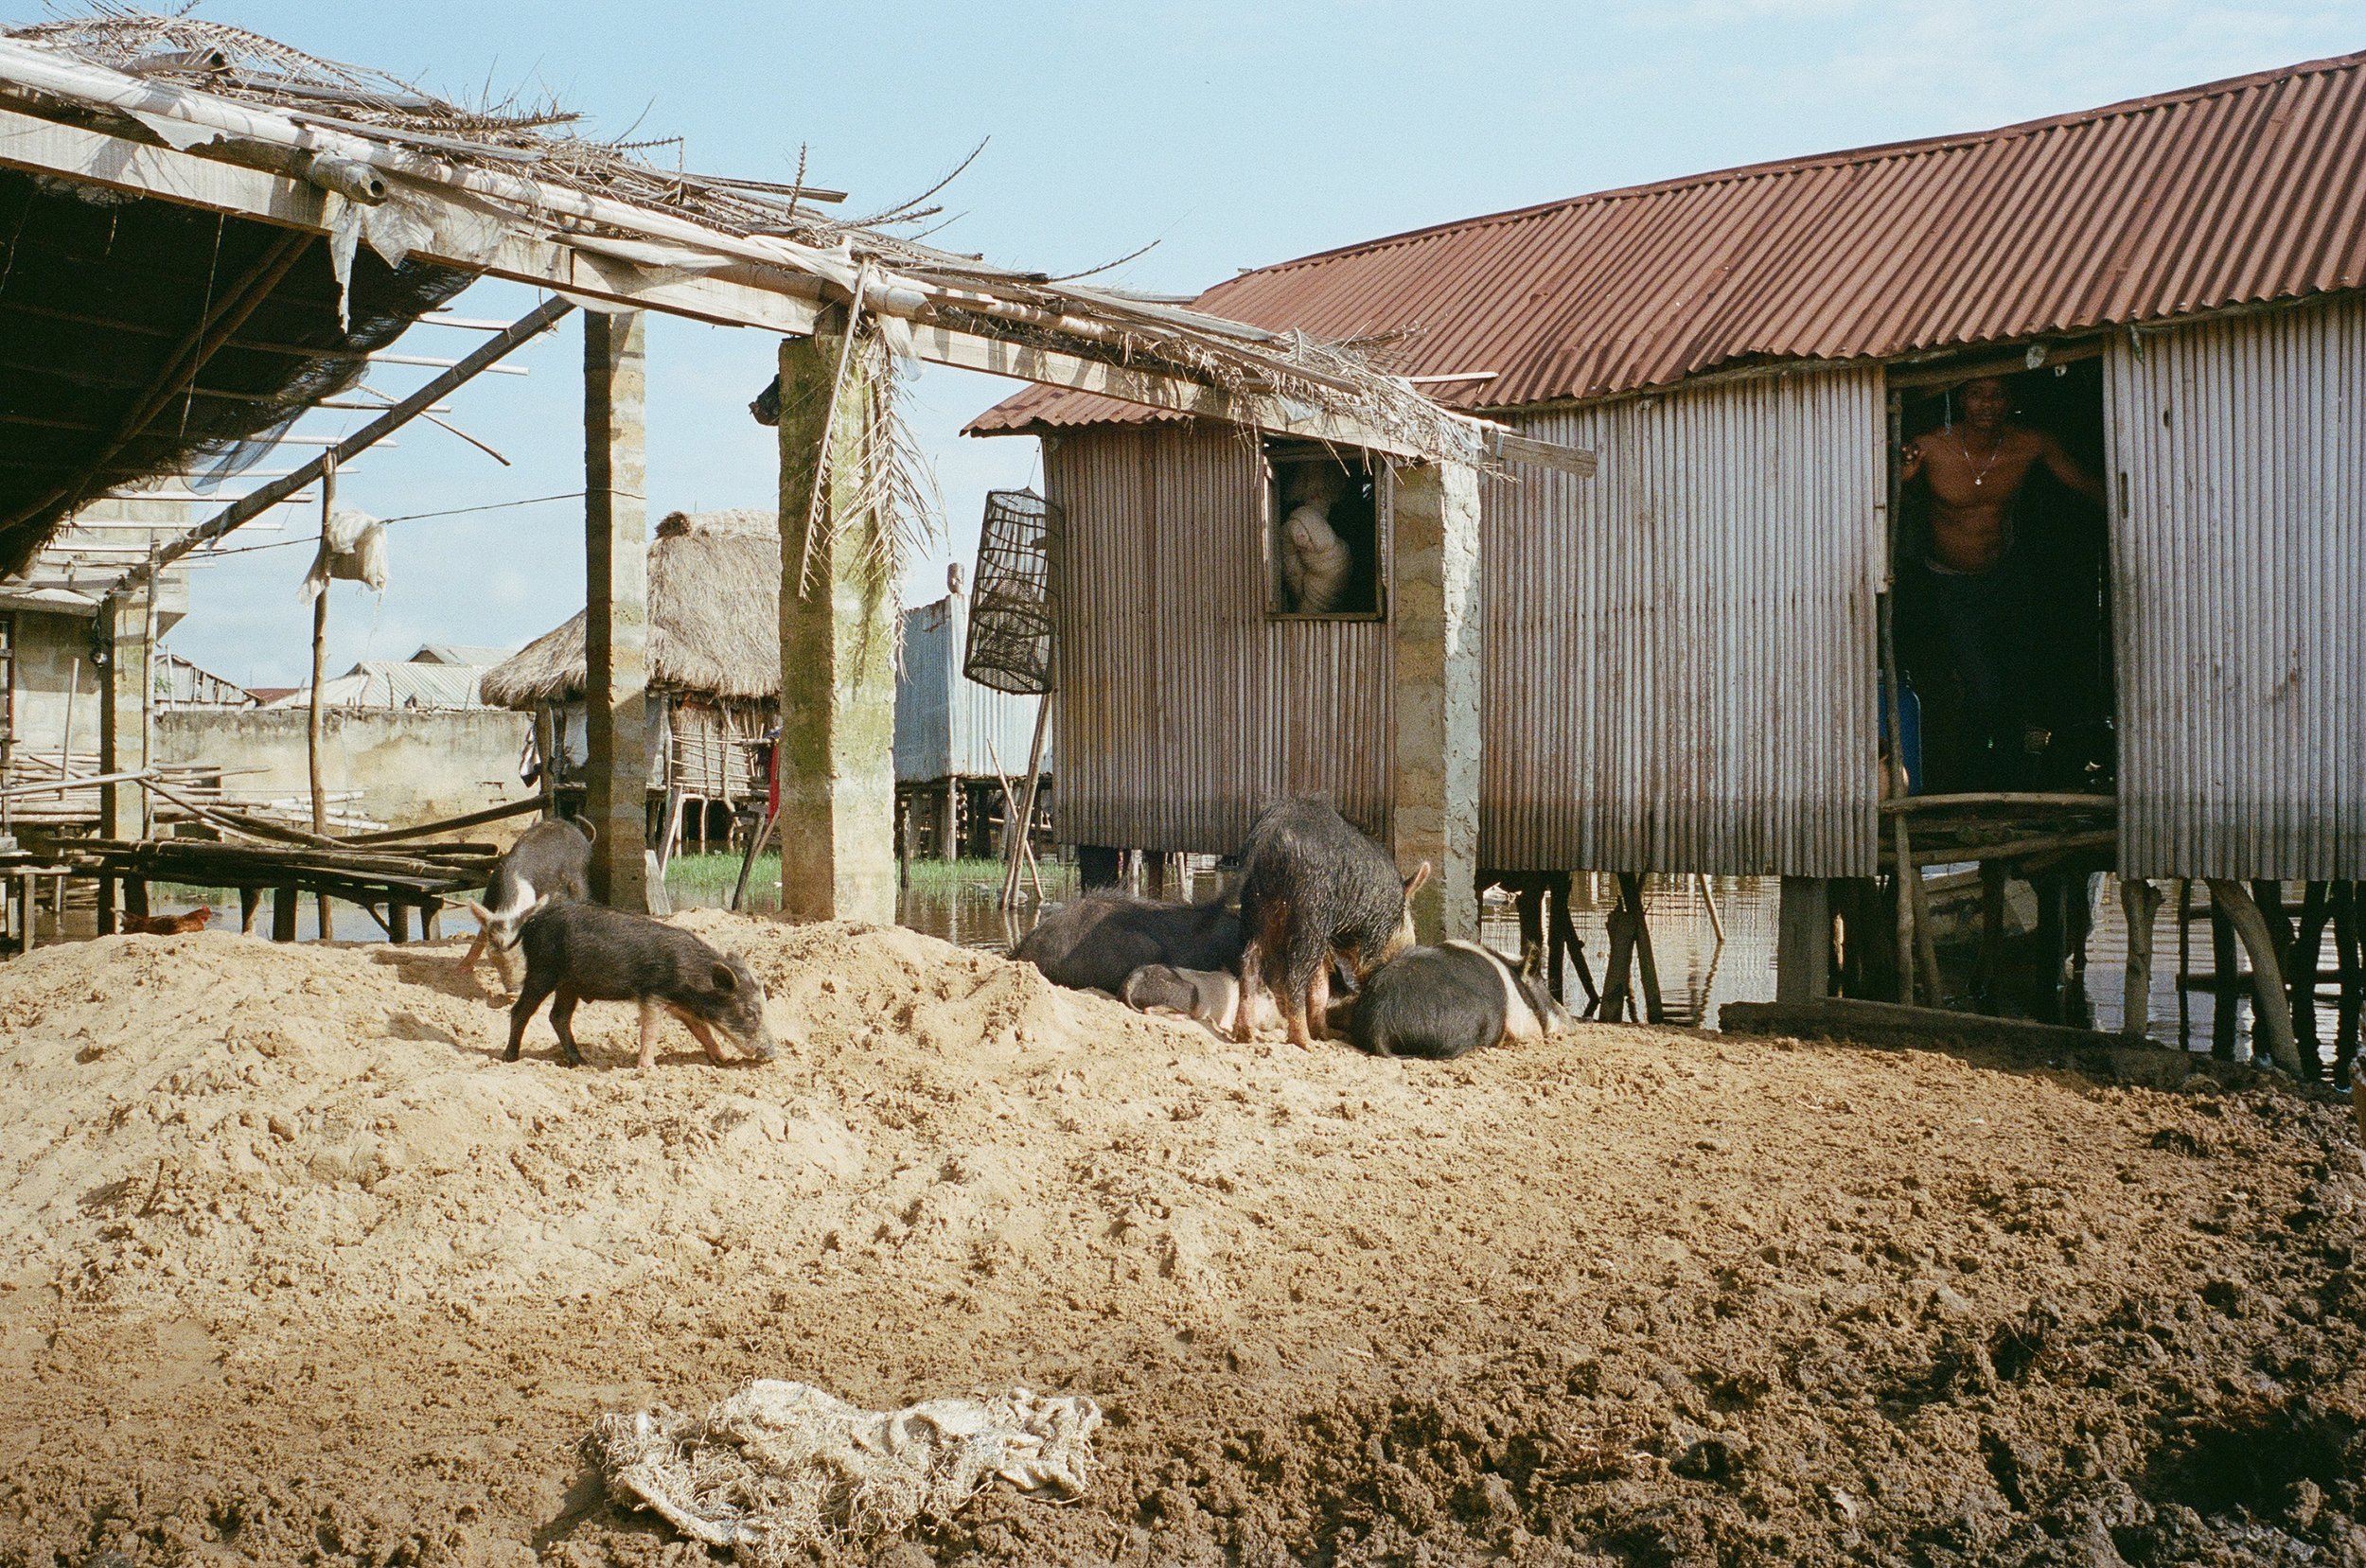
(2241, 192)
(390, 683)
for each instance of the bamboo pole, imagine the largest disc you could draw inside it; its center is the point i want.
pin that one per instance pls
(1027, 811)
(320, 674)
(1980, 800)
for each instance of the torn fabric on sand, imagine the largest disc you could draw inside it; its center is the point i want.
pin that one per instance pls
(780, 1467)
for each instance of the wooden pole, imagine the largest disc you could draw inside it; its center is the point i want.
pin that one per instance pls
(1907, 946)
(747, 863)
(2309, 941)
(1708, 898)
(319, 674)
(2349, 962)
(2272, 1012)
(1623, 921)
(1803, 939)
(2225, 982)
(1993, 883)
(2139, 902)
(1027, 810)
(1565, 941)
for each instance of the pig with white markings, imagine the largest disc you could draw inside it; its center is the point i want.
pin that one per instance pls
(1442, 1002)
(551, 860)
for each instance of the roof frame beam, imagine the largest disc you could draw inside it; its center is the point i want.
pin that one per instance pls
(180, 366)
(737, 293)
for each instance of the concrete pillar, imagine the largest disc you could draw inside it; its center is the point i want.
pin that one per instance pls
(616, 603)
(122, 715)
(1434, 625)
(838, 664)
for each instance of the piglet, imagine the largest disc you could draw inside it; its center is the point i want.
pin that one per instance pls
(585, 953)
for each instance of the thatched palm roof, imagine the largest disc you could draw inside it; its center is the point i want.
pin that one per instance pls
(714, 618)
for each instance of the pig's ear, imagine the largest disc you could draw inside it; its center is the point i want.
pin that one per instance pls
(484, 915)
(725, 981)
(1413, 883)
(1531, 959)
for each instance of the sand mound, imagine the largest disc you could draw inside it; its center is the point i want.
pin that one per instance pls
(292, 1267)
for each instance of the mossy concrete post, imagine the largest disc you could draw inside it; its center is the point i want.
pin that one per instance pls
(838, 652)
(616, 606)
(123, 811)
(1434, 628)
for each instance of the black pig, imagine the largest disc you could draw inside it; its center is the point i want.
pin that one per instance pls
(1095, 942)
(1441, 1001)
(1313, 888)
(584, 953)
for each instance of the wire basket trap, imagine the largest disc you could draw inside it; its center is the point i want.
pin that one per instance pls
(1010, 609)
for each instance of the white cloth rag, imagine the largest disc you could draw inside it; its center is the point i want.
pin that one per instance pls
(780, 1467)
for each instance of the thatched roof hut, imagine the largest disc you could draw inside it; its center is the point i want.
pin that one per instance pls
(714, 618)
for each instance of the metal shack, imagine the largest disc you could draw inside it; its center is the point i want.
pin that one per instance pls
(956, 741)
(1681, 654)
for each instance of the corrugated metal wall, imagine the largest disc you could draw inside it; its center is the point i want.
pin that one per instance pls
(945, 723)
(1679, 653)
(1681, 650)
(1181, 706)
(2239, 450)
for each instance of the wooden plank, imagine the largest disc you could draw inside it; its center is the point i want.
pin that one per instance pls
(1882, 1023)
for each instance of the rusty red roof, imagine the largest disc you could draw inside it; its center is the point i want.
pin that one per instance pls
(2235, 192)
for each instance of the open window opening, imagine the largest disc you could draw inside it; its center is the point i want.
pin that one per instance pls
(2003, 613)
(1323, 540)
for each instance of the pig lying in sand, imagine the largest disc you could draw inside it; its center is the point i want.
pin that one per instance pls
(1095, 942)
(1212, 996)
(551, 859)
(584, 953)
(1440, 1002)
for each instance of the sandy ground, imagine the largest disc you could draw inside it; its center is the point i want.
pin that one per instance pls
(294, 1268)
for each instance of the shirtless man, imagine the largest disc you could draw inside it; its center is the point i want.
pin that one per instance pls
(1973, 471)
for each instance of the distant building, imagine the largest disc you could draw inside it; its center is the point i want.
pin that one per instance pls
(953, 738)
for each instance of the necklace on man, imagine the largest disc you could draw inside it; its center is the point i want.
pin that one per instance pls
(1980, 473)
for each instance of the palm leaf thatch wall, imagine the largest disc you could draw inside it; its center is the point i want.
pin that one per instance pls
(714, 648)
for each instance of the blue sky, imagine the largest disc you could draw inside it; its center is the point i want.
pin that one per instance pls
(1230, 133)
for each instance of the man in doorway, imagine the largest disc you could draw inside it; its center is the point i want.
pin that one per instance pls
(1977, 590)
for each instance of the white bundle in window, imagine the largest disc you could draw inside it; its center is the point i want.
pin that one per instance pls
(353, 549)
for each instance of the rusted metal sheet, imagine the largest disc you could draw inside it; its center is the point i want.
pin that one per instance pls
(1181, 706)
(2239, 450)
(1679, 652)
(2241, 192)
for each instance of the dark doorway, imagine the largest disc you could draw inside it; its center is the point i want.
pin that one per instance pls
(2011, 665)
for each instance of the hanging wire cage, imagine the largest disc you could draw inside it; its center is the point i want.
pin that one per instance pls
(1009, 608)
